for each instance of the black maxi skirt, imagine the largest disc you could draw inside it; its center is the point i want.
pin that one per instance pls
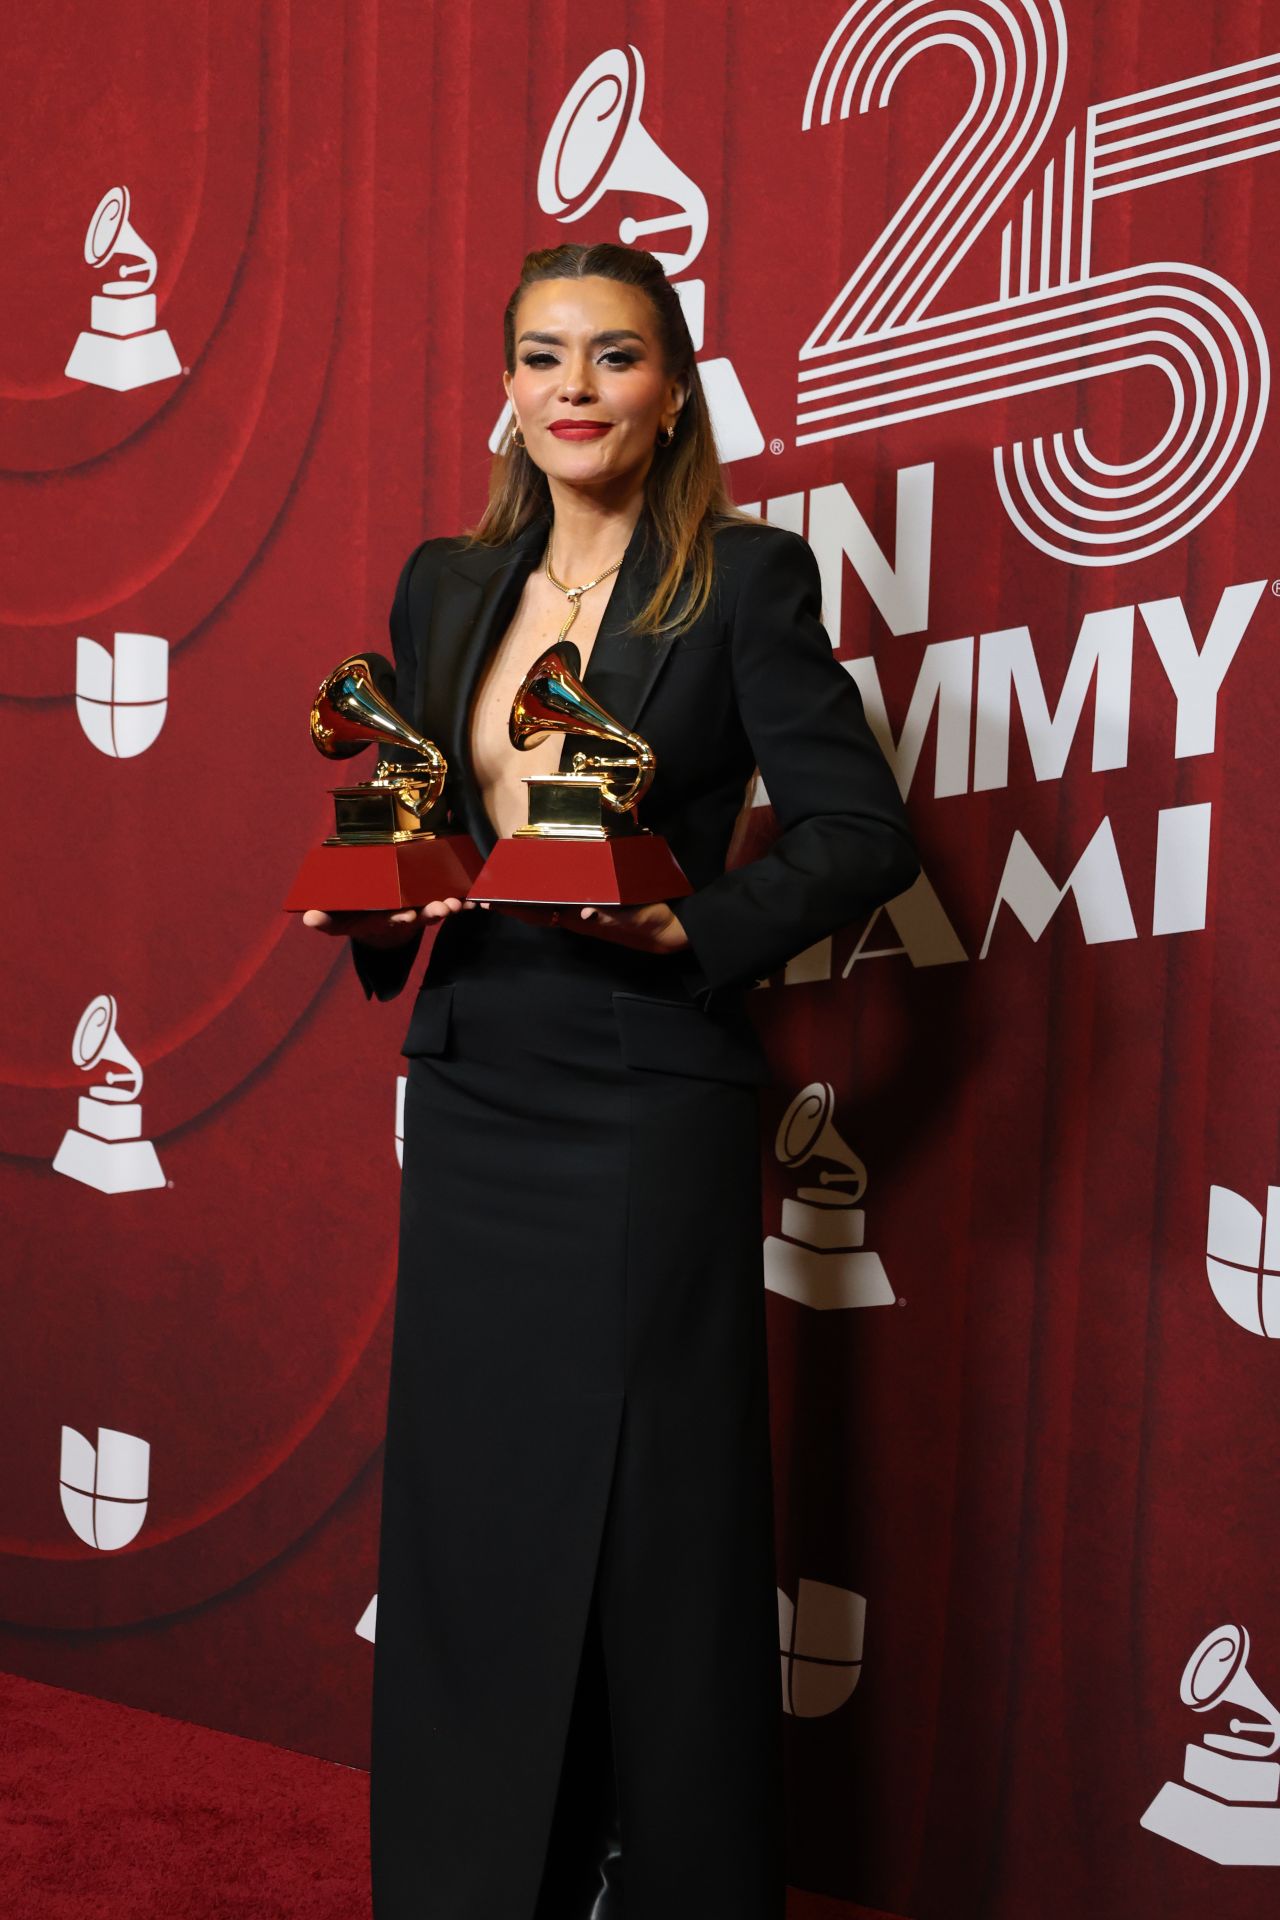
(576, 1700)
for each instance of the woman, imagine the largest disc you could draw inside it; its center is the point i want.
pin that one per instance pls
(576, 1679)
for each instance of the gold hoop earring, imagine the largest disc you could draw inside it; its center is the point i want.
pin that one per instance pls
(670, 436)
(517, 438)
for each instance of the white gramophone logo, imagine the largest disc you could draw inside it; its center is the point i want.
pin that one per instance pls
(107, 1150)
(1227, 1804)
(821, 1641)
(1242, 1256)
(123, 347)
(104, 1489)
(597, 144)
(819, 1258)
(122, 696)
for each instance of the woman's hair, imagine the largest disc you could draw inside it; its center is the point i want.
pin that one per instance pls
(685, 495)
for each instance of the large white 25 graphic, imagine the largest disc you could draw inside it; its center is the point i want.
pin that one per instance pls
(880, 354)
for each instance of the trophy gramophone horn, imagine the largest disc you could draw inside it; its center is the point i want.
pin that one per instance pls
(350, 710)
(807, 1131)
(597, 144)
(96, 1042)
(1217, 1674)
(552, 699)
(111, 232)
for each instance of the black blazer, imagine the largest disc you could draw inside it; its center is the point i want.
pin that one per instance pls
(753, 682)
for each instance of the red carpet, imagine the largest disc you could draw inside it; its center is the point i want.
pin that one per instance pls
(110, 1813)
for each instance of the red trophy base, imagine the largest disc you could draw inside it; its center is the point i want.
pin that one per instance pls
(620, 870)
(385, 877)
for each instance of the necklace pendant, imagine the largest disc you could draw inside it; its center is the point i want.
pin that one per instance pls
(572, 616)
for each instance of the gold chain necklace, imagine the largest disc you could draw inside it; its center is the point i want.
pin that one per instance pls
(574, 594)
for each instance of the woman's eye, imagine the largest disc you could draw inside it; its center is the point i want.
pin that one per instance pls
(614, 357)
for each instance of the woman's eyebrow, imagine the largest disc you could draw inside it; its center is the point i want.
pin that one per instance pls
(597, 339)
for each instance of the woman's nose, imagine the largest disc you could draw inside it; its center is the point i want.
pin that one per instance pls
(576, 382)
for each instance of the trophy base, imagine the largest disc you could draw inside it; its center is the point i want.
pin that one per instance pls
(825, 1279)
(112, 1166)
(135, 360)
(1233, 1836)
(571, 806)
(377, 878)
(616, 870)
(378, 814)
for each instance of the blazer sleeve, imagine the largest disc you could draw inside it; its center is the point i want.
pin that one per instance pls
(382, 972)
(844, 846)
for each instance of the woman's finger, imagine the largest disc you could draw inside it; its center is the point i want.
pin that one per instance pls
(647, 927)
(623, 924)
(373, 928)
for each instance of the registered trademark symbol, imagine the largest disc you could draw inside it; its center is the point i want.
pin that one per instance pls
(1275, 588)
(901, 1300)
(168, 1183)
(776, 446)
(186, 370)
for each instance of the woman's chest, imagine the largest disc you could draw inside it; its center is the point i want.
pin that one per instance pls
(542, 616)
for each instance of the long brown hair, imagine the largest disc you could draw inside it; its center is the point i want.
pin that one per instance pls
(685, 494)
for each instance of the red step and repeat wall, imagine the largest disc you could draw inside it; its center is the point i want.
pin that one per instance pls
(985, 297)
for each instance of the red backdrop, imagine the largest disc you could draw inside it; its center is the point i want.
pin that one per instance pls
(988, 297)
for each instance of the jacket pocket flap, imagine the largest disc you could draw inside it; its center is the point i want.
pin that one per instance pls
(672, 1036)
(429, 1022)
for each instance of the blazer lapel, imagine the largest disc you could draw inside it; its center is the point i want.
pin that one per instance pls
(624, 666)
(477, 593)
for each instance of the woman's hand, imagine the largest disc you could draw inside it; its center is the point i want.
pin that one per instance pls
(653, 929)
(382, 929)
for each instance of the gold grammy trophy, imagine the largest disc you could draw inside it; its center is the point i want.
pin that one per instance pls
(583, 845)
(385, 851)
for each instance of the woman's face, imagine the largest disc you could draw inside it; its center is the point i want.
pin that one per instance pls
(589, 391)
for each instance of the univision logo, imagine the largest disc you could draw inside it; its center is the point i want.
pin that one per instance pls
(122, 697)
(1242, 1258)
(104, 1488)
(820, 1637)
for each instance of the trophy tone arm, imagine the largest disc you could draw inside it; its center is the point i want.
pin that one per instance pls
(639, 761)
